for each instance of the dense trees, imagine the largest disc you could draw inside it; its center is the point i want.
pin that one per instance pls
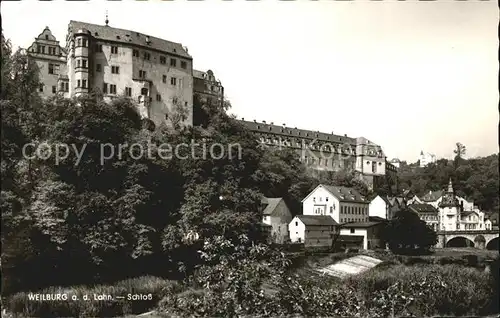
(476, 179)
(406, 233)
(110, 208)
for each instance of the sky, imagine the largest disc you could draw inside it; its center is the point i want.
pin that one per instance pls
(409, 76)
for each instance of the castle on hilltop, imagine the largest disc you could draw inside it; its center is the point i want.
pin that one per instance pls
(159, 75)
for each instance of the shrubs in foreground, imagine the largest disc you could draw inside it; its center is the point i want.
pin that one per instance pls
(450, 290)
(254, 288)
(244, 279)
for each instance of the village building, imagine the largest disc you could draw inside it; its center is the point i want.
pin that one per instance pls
(343, 204)
(427, 213)
(313, 230)
(277, 216)
(453, 216)
(370, 232)
(386, 207)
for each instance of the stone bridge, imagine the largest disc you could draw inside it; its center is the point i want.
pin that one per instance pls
(479, 239)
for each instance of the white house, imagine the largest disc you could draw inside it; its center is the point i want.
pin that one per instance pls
(488, 224)
(426, 158)
(369, 231)
(453, 216)
(386, 207)
(341, 203)
(312, 230)
(276, 214)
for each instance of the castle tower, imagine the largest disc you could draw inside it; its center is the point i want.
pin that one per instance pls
(80, 55)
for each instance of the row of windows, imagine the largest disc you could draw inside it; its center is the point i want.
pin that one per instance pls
(41, 49)
(146, 55)
(347, 220)
(111, 89)
(353, 210)
(63, 88)
(326, 162)
(82, 42)
(81, 63)
(81, 83)
(299, 143)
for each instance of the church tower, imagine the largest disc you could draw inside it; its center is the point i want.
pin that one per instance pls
(450, 210)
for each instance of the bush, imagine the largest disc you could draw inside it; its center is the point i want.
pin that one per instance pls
(426, 291)
(21, 304)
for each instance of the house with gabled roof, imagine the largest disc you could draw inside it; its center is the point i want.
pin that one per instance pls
(313, 230)
(343, 204)
(277, 215)
(386, 207)
(368, 232)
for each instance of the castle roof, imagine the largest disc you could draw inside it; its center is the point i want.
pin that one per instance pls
(107, 33)
(295, 132)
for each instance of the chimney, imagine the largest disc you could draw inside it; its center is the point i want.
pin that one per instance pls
(242, 118)
(284, 125)
(345, 135)
(272, 123)
(254, 121)
(264, 121)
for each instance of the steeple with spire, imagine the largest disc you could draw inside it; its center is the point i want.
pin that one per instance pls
(449, 199)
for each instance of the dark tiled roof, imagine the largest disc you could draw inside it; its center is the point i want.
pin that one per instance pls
(272, 203)
(432, 196)
(467, 213)
(107, 33)
(376, 219)
(345, 194)
(311, 220)
(360, 224)
(294, 132)
(422, 208)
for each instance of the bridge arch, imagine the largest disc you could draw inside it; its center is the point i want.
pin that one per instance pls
(479, 241)
(460, 241)
(492, 244)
